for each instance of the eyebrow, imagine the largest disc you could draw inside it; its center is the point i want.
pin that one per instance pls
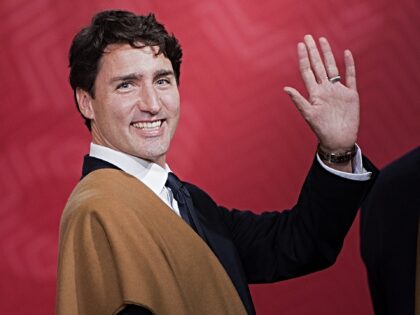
(137, 76)
(162, 73)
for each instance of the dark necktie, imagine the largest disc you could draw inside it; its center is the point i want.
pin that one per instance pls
(182, 196)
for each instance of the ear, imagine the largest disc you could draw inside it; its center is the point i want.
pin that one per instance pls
(84, 102)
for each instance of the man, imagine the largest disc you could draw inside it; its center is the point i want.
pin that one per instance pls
(134, 239)
(389, 237)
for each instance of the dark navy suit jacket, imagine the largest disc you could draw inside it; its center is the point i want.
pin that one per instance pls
(274, 246)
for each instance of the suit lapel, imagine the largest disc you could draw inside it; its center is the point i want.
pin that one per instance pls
(91, 164)
(205, 213)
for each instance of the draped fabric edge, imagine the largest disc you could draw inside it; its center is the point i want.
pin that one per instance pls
(120, 244)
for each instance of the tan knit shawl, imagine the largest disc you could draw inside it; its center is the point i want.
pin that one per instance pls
(120, 244)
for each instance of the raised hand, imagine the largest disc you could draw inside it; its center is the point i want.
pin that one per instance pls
(332, 108)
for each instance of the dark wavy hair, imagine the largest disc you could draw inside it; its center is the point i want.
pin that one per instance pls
(116, 27)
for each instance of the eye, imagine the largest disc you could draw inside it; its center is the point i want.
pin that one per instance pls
(163, 82)
(125, 85)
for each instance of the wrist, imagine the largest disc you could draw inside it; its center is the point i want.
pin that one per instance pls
(336, 157)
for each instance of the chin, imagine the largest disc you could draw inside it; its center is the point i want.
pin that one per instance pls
(153, 154)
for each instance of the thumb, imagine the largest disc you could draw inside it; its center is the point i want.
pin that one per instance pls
(300, 102)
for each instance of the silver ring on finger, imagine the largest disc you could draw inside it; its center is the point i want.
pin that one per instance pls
(335, 78)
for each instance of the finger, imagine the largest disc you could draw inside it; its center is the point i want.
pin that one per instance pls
(316, 61)
(350, 70)
(329, 59)
(300, 102)
(305, 67)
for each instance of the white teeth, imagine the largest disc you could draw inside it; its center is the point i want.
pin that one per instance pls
(148, 124)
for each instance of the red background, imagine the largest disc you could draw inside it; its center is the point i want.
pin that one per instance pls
(240, 137)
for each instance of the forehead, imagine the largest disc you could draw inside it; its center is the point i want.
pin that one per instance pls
(123, 58)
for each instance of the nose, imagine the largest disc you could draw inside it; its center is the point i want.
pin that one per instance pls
(149, 100)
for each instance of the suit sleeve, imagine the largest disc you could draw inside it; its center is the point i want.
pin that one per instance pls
(132, 309)
(275, 245)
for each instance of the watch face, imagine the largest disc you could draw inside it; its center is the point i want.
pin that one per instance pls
(336, 157)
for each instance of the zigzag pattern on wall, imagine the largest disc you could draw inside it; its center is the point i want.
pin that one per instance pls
(238, 133)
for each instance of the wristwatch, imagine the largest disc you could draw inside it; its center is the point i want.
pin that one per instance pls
(337, 158)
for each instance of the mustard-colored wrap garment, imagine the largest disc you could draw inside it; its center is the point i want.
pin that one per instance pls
(120, 244)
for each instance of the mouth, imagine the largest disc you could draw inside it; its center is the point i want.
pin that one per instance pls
(148, 125)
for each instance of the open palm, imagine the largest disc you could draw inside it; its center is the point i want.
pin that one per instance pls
(332, 108)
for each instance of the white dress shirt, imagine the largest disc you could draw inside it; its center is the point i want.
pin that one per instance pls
(155, 176)
(152, 175)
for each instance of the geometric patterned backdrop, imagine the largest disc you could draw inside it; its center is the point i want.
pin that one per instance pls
(240, 137)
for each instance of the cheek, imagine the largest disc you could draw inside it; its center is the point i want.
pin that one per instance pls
(171, 102)
(119, 111)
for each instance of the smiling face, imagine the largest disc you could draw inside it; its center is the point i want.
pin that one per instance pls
(136, 105)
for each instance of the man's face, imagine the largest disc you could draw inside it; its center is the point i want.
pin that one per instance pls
(136, 104)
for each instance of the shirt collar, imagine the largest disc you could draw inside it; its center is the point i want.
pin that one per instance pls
(152, 175)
